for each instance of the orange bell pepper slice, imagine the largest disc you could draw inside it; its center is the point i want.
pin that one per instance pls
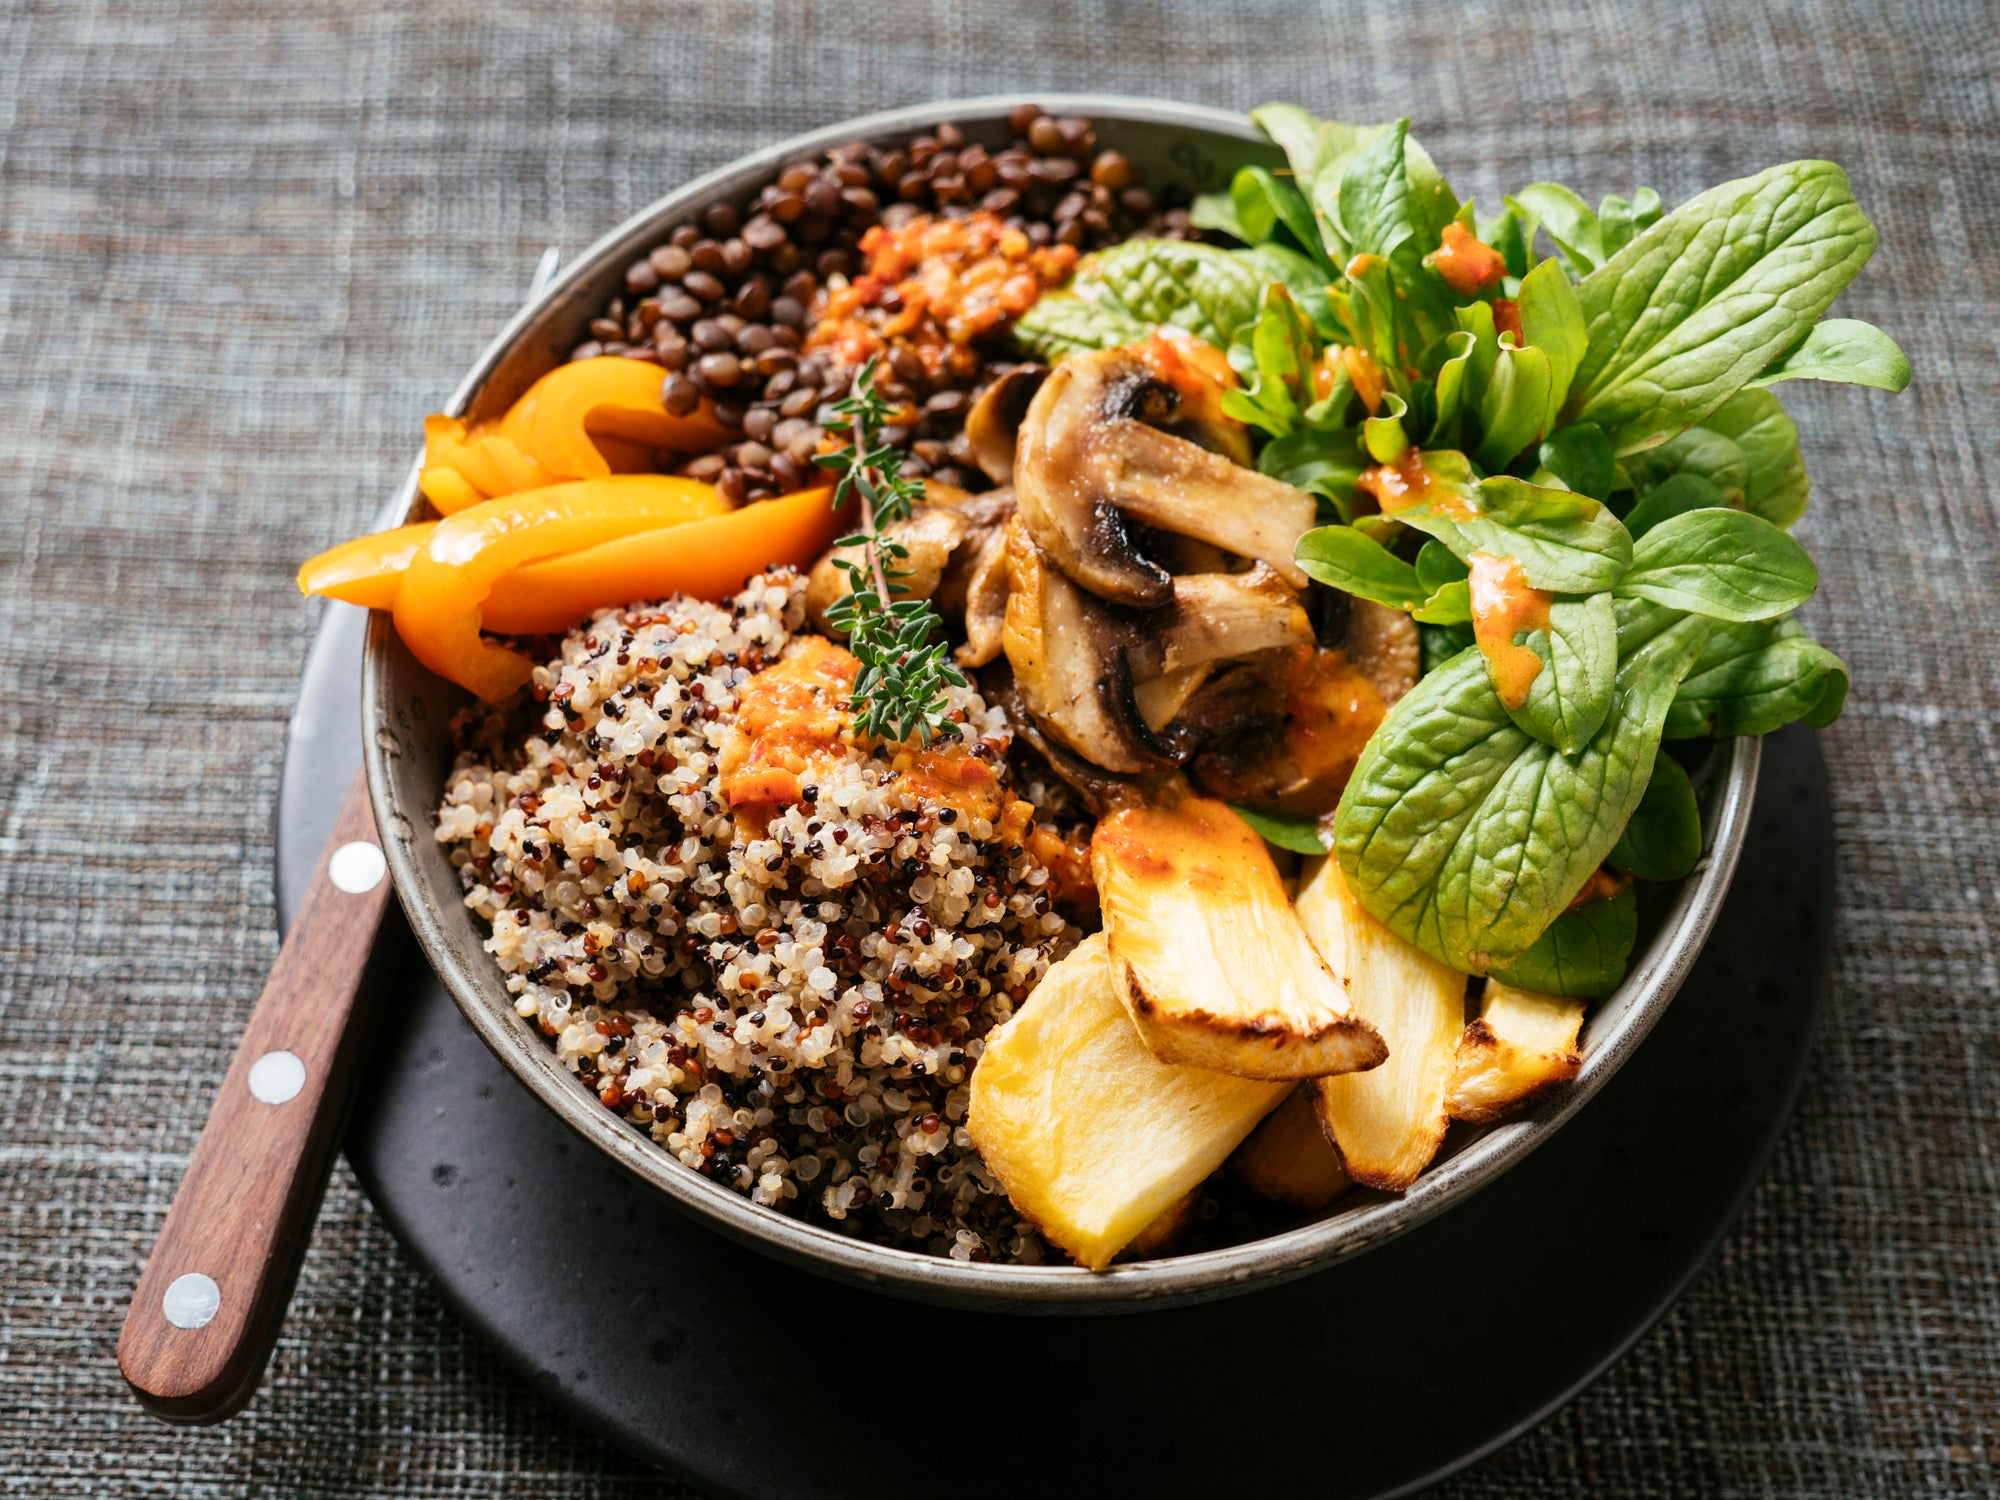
(584, 420)
(707, 559)
(367, 570)
(445, 585)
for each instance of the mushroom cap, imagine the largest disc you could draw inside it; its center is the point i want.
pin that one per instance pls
(993, 425)
(1094, 453)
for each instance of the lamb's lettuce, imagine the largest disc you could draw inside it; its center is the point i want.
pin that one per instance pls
(1697, 306)
(1663, 839)
(1847, 351)
(1582, 954)
(1724, 564)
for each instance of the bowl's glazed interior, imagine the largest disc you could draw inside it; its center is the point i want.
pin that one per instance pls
(406, 719)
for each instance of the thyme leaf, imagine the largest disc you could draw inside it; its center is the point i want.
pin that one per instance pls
(899, 693)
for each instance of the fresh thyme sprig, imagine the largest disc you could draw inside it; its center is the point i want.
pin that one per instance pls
(899, 692)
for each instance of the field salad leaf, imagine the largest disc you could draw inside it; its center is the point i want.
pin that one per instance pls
(1279, 360)
(1552, 321)
(1263, 201)
(1775, 483)
(1327, 463)
(1449, 383)
(1681, 493)
(1303, 278)
(1725, 564)
(1845, 350)
(1663, 839)
(1370, 197)
(1618, 220)
(1583, 953)
(1342, 558)
(1509, 233)
(1566, 219)
(1466, 835)
(1580, 456)
(1566, 543)
(1756, 678)
(1291, 831)
(1062, 324)
(1569, 698)
(1315, 148)
(1700, 304)
(1514, 410)
(1700, 451)
(1208, 291)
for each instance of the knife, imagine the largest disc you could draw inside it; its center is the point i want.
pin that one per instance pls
(213, 1295)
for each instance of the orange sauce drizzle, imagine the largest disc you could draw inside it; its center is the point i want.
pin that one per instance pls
(1330, 712)
(947, 774)
(1365, 374)
(1503, 606)
(1468, 265)
(1407, 481)
(1198, 372)
(789, 718)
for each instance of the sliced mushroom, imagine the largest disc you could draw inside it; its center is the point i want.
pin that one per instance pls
(975, 582)
(994, 423)
(1301, 762)
(1097, 789)
(1382, 643)
(930, 532)
(1090, 456)
(1215, 616)
(1072, 658)
(1160, 698)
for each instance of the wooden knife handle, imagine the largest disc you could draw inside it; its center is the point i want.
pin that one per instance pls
(213, 1295)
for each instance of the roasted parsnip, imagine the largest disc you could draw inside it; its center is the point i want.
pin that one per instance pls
(1289, 1159)
(1520, 1046)
(1207, 953)
(1092, 1136)
(1386, 1122)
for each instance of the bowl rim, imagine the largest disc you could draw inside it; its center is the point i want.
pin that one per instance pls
(1197, 1276)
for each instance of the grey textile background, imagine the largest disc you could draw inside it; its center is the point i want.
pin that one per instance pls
(245, 247)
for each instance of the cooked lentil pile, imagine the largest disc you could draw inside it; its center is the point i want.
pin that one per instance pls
(772, 948)
(732, 308)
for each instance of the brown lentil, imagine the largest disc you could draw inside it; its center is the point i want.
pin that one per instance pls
(743, 282)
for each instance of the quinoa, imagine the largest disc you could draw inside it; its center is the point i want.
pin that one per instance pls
(791, 1007)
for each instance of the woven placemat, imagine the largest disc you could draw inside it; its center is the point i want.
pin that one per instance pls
(245, 247)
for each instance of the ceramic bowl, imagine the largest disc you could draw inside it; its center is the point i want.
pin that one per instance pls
(407, 713)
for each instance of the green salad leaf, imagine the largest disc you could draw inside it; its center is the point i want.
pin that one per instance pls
(1207, 291)
(1580, 456)
(1570, 697)
(1290, 831)
(1845, 350)
(1697, 306)
(1062, 324)
(1468, 836)
(1582, 954)
(1663, 840)
(1775, 485)
(1682, 492)
(1726, 564)
(1341, 557)
(1566, 543)
(1755, 679)
(1618, 219)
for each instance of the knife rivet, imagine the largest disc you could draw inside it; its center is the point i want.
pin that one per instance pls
(357, 868)
(192, 1300)
(276, 1077)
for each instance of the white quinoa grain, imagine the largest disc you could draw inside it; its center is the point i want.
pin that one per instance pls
(770, 1005)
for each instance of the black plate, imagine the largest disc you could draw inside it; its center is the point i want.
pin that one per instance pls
(1373, 1378)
